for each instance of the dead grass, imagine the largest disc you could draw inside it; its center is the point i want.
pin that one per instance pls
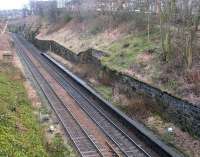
(131, 54)
(179, 139)
(76, 35)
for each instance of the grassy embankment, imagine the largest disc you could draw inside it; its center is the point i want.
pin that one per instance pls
(123, 53)
(21, 135)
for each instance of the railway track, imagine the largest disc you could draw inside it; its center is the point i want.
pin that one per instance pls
(125, 143)
(83, 141)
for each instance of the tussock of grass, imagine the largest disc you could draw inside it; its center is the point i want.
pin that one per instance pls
(105, 91)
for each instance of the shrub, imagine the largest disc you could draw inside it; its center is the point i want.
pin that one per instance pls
(58, 148)
(67, 18)
(95, 30)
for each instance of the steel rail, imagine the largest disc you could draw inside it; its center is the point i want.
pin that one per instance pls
(95, 120)
(70, 95)
(103, 114)
(115, 153)
(77, 122)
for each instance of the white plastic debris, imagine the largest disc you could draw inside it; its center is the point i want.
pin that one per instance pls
(170, 130)
(51, 128)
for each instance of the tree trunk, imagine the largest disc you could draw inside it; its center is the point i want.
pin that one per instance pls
(148, 27)
(148, 20)
(189, 49)
(161, 29)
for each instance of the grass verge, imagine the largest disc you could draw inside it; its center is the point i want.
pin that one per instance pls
(21, 134)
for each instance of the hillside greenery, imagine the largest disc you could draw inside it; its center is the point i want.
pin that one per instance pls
(125, 51)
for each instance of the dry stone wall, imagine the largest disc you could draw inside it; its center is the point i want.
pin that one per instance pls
(49, 45)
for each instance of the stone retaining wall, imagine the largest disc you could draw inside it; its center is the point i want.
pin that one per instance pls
(49, 45)
(180, 112)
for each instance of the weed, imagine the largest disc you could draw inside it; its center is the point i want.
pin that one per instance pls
(96, 29)
(44, 110)
(105, 91)
(67, 18)
(58, 148)
(168, 137)
(171, 84)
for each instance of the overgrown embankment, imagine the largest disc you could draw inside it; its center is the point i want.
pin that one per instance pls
(135, 98)
(130, 50)
(178, 111)
(20, 132)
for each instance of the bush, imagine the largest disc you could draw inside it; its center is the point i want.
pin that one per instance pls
(95, 30)
(67, 18)
(58, 148)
